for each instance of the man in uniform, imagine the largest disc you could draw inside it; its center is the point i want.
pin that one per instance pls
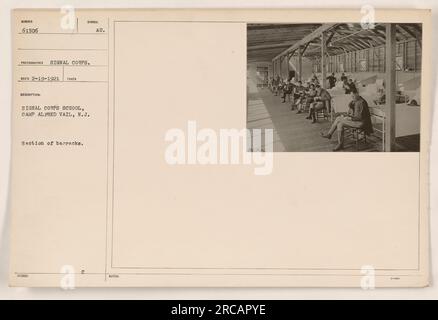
(358, 116)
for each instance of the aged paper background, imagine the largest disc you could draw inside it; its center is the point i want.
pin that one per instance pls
(300, 226)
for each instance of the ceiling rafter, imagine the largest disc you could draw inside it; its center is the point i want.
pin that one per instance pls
(268, 42)
(308, 38)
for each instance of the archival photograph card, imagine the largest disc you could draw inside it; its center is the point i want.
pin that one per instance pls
(220, 148)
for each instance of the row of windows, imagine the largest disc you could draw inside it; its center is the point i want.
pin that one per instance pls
(408, 58)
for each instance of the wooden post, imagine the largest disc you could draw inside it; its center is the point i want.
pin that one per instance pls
(323, 61)
(415, 57)
(390, 87)
(281, 67)
(300, 63)
(344, 67)
(287, 66)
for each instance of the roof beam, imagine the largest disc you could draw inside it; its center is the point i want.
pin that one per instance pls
(364, 43)
(269, 46)
(350, 35)
(305, 48)
(412, 34)
(329, 38)
(306, 39)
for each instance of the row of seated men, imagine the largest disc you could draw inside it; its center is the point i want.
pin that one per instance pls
(347, 83)
(314, 98)
(311, 98)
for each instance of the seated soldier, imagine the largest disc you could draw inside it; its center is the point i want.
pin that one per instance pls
(298, 95)
(322, 102)
(358, 116)
(280, 87)
(309, 98)
(306, 98)
(287, 90)
(276, 84)
(344, 77)
(349, 86)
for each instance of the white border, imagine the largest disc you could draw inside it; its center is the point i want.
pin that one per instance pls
(195, 293)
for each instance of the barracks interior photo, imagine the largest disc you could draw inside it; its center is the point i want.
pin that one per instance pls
(335, 87)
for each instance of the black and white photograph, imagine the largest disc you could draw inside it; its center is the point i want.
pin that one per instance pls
(335, 86)
(291, 158)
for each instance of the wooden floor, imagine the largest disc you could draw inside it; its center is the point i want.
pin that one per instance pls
(292, 132)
